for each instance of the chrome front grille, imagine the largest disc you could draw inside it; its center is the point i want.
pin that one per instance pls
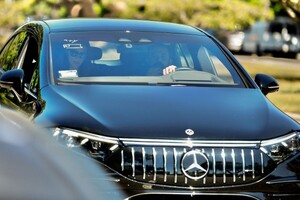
(163, 165)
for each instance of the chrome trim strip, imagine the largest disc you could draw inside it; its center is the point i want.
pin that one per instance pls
(224, 164)
(272, 87)
(144, 162)
(214, 164)
(122, 160)
(161, 142)
(154, 163)
(191, 195)
(175, 165)
(158, 142)
(133, 161)
(233, 165)
(278, 140)
(189, 143)
(243, 164)
(252, 162)
(30, 93)
(280, 181)
(165, 164)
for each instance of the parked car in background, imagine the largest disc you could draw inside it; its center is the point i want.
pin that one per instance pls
(165, 108)
(280, 37)
(233, 40)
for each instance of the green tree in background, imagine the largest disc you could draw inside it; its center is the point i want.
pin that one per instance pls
(13, 13)
(215, 14)
(227, 14)
(208, 14)
(292, 8)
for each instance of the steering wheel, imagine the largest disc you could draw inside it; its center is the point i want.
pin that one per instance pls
(183, 69)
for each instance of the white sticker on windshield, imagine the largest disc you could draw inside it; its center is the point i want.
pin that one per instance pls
(68, 73)
(72, 46)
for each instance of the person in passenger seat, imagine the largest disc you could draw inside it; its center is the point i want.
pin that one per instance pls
(79, 61)
(76, 57)
(72, 59)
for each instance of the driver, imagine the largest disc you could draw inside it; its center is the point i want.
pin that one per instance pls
(160, 61)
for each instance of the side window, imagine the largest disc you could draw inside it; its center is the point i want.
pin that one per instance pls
(221, 70)
(292, 29)
(33, 86)
(12, 52)
(29, 63)
(21, 52)
(211, 63)
(275, 27)
(185, 58)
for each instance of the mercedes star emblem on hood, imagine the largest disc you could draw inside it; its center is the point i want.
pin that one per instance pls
(189, 132)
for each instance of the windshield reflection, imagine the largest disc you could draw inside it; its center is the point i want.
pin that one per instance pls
(139, 57)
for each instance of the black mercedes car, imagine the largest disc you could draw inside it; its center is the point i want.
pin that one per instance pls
(165, 108)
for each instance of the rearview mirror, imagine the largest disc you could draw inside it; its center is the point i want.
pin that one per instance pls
(266, 83)
(13, 80)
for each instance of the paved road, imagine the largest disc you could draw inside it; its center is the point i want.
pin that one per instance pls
(280, 62)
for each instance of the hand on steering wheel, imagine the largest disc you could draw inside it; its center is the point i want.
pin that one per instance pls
(170, 69)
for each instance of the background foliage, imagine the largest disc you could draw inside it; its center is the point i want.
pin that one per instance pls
(212, 14)
(207, 14)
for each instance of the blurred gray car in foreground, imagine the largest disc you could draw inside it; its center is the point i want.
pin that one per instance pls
(35, 166)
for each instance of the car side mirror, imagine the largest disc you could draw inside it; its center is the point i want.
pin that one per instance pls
(266, 83)
(13, 80)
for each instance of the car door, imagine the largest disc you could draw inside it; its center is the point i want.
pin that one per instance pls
(21, 52)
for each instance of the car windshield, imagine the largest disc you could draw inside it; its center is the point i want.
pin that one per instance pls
(129, 57)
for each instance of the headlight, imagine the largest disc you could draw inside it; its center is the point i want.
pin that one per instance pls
(281, 148)
(96, 146)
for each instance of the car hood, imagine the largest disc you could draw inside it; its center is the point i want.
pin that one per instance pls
(165, 112)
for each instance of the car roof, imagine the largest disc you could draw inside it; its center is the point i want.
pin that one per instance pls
(90, 24)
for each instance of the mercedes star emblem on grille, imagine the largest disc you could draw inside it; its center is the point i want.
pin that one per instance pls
(194, 164)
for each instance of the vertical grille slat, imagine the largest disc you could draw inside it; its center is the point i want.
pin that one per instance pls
(175, 165)
(144, 162)
(253, 164)
(122, 160)
(133, 162)
(204, 179)
(154, 163)
(223, 155)
(243, 164)
(214, 164)
(163, 165)
(185, 179)
(233, 165)
(262, 162)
